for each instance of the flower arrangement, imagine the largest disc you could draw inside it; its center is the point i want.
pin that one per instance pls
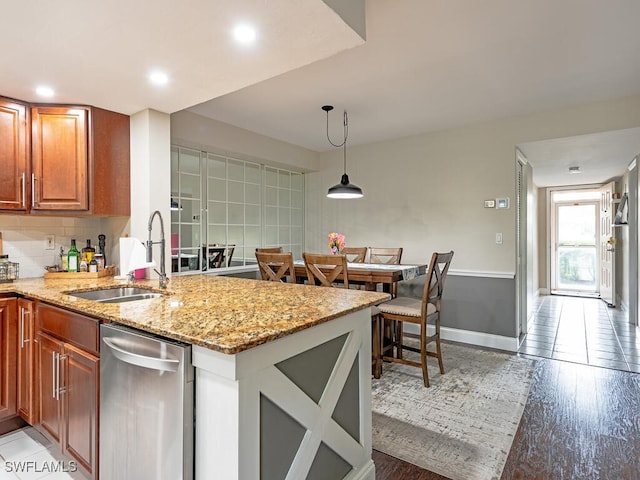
(336, 243)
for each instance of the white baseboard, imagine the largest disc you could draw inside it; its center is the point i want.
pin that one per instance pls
(623, 305)
(544, 291)
(479, 339)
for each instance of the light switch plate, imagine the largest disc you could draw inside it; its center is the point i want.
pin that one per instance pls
(499, 238)
(502, 203)
(49, 242)
(489, 204)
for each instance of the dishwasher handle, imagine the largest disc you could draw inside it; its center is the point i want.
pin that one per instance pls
(154, 363)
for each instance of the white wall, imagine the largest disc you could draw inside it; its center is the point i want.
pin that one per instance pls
(426, 192)
(24, 238)
(192, 130)
(622, 255)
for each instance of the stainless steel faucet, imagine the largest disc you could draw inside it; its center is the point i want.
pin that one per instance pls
(163, 280)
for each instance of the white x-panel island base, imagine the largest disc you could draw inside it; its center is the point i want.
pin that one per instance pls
(295, 408)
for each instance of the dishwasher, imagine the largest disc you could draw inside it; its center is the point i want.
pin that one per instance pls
(146, 406)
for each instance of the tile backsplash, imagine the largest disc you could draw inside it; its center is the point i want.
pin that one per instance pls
(24, 238)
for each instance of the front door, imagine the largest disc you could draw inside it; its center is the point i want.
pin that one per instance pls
(576, 239)
(607, 245)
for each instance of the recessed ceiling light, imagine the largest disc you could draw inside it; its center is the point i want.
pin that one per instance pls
(44, 91)
(158, 78)
(244, 34)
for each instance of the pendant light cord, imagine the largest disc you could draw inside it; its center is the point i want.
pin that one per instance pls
(344, 142)
(345, 130)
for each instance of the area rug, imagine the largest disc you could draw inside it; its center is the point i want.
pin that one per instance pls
(462, 426)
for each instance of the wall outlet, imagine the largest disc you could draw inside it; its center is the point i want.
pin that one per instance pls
(49, 242)
(499, 238)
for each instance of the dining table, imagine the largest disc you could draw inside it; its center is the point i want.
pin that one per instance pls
(372, 274)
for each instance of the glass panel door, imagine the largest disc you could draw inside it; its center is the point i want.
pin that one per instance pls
(186, 208)
(576, 247)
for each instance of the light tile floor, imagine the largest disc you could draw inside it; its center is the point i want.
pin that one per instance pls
(26, 455)
(582, 330)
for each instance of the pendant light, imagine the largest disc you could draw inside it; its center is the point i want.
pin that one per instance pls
(344, 189)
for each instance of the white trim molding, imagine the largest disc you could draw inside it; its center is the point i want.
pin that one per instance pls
(479, 273)
(489, 340)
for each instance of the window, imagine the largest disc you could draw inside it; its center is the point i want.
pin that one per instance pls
(224, 208)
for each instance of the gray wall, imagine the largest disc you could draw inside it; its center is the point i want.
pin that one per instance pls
(479, 304)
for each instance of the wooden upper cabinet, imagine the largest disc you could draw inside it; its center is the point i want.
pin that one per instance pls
(80, 160)
(63, 160)
(59, 149)
(13, 155)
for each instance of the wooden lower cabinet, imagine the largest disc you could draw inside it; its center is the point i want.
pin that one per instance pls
(80, 408)
(27, 393)
(49, 352)
(8, 363)
(68, 384)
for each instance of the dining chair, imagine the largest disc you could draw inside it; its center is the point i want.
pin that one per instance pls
(218, 256)
(423, 312)
(324, 270)
(389, 256)
(269, 249)
(355, 254)
(276, 267)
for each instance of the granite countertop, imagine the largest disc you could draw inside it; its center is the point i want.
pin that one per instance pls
(220, 313)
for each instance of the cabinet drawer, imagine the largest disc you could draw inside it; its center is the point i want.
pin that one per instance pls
(79, 330)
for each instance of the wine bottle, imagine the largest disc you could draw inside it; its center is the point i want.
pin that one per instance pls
(88, 252)
(73, 257)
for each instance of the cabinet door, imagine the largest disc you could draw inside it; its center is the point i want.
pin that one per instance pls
(26, 363)
(49, 373)
(8, 364)
(80, 407)
(13, 155)
(59, 156)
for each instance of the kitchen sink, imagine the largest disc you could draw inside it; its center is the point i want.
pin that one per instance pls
(117, 294)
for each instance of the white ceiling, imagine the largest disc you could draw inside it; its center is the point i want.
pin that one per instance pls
(101, 52)
(426, 65)
(600, 156)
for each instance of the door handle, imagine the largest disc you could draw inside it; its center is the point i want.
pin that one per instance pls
(23, 312)
(33, 189)
(23, 182)
(154, 363)
(59, 389)
(54, 379)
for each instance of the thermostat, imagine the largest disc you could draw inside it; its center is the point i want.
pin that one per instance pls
(502, 203)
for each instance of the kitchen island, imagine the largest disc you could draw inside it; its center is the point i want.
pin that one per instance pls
(283, 372)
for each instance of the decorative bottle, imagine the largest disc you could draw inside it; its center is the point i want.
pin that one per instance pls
(73, 257)
(64, 260)
(101, 245)
(88, 252)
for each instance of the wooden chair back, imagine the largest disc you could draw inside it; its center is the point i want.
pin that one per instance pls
(276, 267)
(355, 254)
(434, 284)
(324, 270)
(390, 256)
(218, 256)
(426, 311)
(269, 249)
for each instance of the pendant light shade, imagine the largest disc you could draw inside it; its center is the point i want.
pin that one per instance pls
(344, 189)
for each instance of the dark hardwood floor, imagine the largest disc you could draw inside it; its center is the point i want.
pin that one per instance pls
(580, 423)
